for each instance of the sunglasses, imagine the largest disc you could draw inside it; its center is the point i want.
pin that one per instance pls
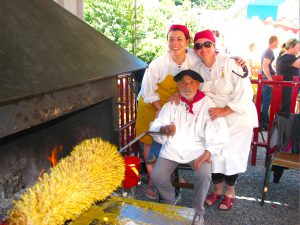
(206, 44)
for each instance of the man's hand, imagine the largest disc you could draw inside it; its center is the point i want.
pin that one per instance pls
(175, 98)
(201, 159)
(215, 112)
(168, 130)
(265, 66)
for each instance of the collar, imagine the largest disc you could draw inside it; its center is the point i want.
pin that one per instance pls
(199, 95)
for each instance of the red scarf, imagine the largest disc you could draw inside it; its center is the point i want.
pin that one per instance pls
(199, 95)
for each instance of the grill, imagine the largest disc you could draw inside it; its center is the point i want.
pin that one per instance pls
(58, 86)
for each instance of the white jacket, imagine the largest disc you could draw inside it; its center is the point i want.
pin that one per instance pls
(195, 133)
(228, 89)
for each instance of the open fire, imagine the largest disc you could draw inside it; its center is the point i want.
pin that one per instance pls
(53, 158)
(92, 171)
(25, 154)
(59, 86)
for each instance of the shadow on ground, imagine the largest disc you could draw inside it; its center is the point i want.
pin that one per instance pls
(281, 206)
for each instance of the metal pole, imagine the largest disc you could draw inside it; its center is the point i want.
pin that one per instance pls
(134, 44)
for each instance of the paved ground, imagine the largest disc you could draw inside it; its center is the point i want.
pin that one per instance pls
(281, 206)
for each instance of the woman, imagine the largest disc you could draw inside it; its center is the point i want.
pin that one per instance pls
(288, 65)
(158, 85)
(232, 93)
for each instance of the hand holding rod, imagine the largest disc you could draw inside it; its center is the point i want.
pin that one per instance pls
(137, 138)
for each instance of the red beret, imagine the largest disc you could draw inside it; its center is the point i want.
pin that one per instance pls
(182, 28)
(208, 34)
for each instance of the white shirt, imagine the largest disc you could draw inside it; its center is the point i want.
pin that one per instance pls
(228, 89)
(195, 133)
(158, 70)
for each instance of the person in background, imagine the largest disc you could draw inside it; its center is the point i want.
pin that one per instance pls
(138, 77)
(297, 107)
(253, 60)
(254, 64)
(188, 135)
(267, 70)
(157, 87)
(287, 65)
(231, 90)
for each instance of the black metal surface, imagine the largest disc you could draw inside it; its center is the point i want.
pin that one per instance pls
(25, 154)
(52, 63)
(25, 114)
(44, 48)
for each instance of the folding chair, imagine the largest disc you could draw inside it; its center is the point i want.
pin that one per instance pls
(176, 181)
(284, 146)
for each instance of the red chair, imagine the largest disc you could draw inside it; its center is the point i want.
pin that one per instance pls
(275, 105)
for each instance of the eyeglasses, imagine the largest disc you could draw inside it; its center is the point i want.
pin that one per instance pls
(206, 44)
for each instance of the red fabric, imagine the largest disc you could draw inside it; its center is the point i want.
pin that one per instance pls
(208, 34)
(199, 95)
(182, 28)
(285, 24)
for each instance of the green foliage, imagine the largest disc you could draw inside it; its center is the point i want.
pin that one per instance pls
(212, 4)
(115, 19)
(178, 2)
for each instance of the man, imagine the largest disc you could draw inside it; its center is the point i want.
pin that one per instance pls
(188, 135)
(268, 72)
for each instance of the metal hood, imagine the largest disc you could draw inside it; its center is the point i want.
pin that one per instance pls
(45, 49)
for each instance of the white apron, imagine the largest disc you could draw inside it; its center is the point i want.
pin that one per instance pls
(227, 89)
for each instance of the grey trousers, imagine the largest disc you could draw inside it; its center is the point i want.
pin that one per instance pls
(161, 178)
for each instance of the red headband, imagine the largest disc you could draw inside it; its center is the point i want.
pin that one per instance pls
(182, 28)
(208, 34)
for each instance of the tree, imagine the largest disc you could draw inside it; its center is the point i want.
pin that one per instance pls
(212, 4)
(114, 19)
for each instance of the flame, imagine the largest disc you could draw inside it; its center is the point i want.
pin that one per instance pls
(53, 158)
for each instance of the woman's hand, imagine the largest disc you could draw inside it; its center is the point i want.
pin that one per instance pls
(157, 106)
(201, 159)
(215, 112)
(239, 61)
(175, 98)
(157, 113)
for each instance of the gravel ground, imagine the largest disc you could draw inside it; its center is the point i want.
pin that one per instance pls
(281, 205)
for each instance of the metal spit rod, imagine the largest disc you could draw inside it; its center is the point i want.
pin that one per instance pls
(137, 138)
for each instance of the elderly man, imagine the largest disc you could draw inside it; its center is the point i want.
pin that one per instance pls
(188, 135)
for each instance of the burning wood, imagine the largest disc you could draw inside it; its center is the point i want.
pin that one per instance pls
(92, 172)
(41, 174)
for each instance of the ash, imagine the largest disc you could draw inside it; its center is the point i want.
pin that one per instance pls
(11, 188)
